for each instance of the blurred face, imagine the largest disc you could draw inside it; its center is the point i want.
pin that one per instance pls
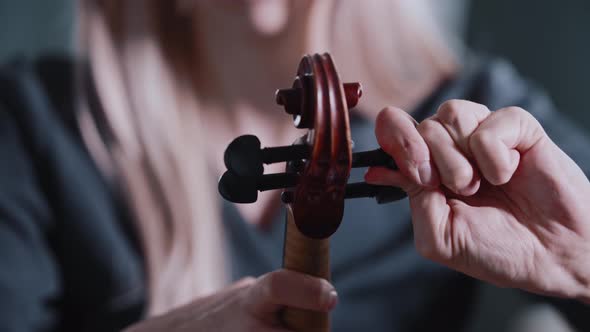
(268, 17)
(264, 17)
(400, 38)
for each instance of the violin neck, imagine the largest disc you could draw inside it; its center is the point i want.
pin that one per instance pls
(310, 256)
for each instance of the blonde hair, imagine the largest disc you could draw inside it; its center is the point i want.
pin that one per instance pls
(139, 52)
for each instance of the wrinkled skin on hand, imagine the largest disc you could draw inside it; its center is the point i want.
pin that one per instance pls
(248, 305)
(492, 196)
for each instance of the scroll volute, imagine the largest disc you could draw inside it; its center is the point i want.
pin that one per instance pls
(319, 101)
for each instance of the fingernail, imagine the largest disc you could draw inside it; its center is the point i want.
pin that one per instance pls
(425, 173)
(332, 299)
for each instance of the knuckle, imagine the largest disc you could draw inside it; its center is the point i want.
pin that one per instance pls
(391, 118)
(521, 113)
(385, 124)
(460, 178)
(388, 114)
(514, 110)
(454, 111)
(429, 128)
(317, 291)
(426, 249)
(525, 119)
(450, 111)
(408, 145)
(247, 281)
(271, 284)
(412, 150)
(500, 175)
(246, 285)
(515, 113)
(396, 133)
(480, 139)
(391, 110)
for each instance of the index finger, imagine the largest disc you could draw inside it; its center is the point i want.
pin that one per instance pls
(397, 135)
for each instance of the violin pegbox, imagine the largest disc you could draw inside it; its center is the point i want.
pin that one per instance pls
(298, 99)
(319, 163)
(315, 181)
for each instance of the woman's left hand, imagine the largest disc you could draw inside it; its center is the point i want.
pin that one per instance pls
(492, 196)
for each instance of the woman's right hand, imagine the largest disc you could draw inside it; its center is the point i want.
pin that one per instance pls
(251, 304)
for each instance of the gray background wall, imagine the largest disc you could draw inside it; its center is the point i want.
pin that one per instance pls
(548, 40)
(28, 27)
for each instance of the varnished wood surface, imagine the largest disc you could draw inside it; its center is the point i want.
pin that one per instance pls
(309, 256)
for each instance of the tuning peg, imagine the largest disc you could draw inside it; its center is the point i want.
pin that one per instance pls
(244, 157)
(289, 98)
(383, 194)
(292, 98)
(244, 189)
(353, 92)
(376, 157)
(298, 99)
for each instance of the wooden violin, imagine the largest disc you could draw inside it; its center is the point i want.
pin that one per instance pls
(315, 182)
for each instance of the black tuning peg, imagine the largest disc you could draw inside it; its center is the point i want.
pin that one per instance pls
(244, 157)
(244, 189)
(244, 160)
(383, 194)
(376, 157)
(291, 99)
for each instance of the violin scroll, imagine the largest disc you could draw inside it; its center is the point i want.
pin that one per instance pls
(315, 182)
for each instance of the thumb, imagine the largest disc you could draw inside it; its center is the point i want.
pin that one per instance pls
(434, 236)
(430, 213)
